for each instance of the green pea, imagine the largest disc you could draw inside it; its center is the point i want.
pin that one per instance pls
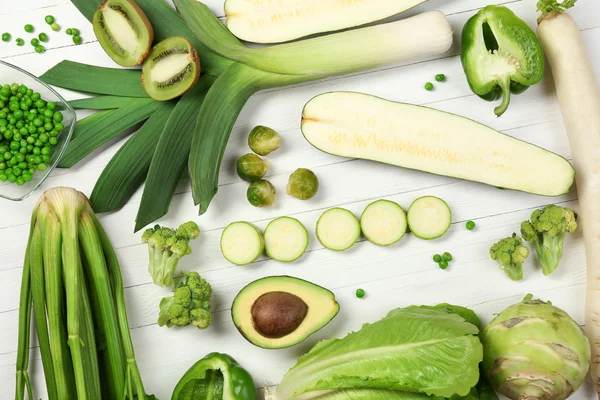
(447, 256)
(470, 225)
(40, 49)
(77, 39)
(49, 19)
(12, 178)
(53, 141)
(43, 37)
(429, 86)
(6, 37)
(55, 27)
(3, 178)
(35, 96)
(74, 31)
(58, 117)
(35, 42)
(440, 77)
(69, 31)
(443, 264)
(41, 167)
(437, 258)
(360, 293)
(28, 28)
(20, 42)
(20, 181)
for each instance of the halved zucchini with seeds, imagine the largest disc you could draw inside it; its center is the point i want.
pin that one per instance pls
(171, 69)
(124, 31)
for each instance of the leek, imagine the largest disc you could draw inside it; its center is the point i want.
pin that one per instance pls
(70, 273)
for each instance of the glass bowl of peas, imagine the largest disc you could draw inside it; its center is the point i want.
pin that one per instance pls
(36, 125)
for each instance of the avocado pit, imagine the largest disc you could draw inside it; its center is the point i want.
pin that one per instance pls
(277, 314)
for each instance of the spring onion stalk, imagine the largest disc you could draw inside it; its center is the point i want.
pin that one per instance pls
(288, 64)
(70, 275)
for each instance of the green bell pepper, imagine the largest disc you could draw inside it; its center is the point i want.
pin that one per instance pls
(500, 55)
(215, 377)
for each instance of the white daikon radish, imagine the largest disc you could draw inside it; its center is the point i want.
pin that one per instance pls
(579, 95)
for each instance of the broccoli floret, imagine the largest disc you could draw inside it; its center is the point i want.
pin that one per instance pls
(547, 231)
(166, 247)
(511, 255)
(190, 304)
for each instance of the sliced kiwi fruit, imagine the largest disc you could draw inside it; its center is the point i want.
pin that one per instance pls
(124, 31)
(171, 69)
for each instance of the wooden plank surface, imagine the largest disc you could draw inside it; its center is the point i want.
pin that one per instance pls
(397, 276)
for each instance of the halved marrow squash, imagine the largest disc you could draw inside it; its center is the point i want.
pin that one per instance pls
(362, 126)
(281, 21)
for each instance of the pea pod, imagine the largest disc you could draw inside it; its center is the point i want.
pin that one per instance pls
(500, 55)
(216, 373)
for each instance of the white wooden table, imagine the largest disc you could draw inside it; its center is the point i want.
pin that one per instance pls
(397, 276)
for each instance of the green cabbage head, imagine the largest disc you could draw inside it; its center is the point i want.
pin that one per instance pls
(533, 350)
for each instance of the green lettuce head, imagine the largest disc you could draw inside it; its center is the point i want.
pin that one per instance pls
(533, 350)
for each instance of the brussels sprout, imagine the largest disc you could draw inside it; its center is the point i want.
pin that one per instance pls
(533, 350)
(261, 193)
(303, 184)
(251, 167)
(263, 140)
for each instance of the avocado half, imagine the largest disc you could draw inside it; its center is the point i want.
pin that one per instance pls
(280, 311)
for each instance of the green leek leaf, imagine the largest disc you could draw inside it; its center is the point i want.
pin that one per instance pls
(218, 114)
(171, 155)
(102, 102)
(92, 79)
(412, 349)
(128, 168)
(88, 136)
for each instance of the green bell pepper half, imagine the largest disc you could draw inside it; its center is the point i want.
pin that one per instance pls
(215, 377)
(500, 55)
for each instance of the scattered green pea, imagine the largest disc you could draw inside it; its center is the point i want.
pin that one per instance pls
(55, 27)
(447, 256)
(437, 258)
(49, 19)
(74, 31)
(360, 293)
(440, 77)
(6, 37)
(35, 42)
(429, 86)
(28, 28)
(443, 264)
(470, 225)
(77, 39)
(43, 37)
(40, 49)
(20, 42)
(69, 31)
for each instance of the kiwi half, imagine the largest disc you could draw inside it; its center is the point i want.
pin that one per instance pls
(124, 31)
(171, 69)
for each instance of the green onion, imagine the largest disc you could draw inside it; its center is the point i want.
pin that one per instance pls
(102, 102)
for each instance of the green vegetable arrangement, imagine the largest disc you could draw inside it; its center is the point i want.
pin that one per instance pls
(174, 130)
(216, 376)
(72, 277)
(434, 352)
(534, 350)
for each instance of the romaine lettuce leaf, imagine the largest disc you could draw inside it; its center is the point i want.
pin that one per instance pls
(412, 349)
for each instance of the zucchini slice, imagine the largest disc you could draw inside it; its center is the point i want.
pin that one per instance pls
(281, 21)
(286, 239)
(242, 243)
(383, 222)
(429, 217)
(338, 229)
(362, 126)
